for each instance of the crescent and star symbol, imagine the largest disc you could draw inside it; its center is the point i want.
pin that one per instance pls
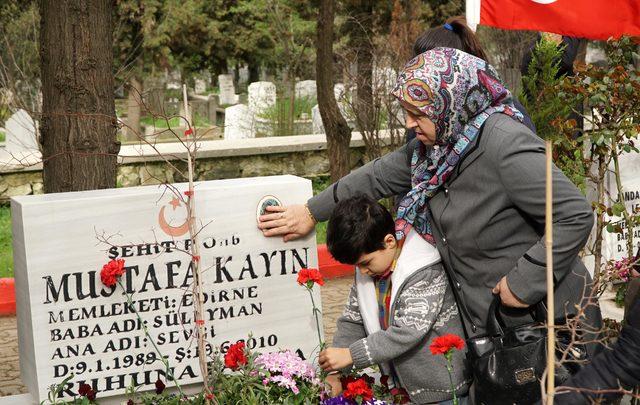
(169, 229)
(544, 1)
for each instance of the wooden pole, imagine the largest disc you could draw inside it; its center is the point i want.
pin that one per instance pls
(195, 251)
(551, 336)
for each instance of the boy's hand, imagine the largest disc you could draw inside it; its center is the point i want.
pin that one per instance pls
(334, 382)
(335, 358)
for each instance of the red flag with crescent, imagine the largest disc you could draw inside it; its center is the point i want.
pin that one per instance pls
(592, 19)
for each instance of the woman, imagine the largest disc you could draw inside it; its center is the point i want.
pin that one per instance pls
(474, 179)
(455, 33)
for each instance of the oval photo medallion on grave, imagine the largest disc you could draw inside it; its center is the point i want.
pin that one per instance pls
(266, 201)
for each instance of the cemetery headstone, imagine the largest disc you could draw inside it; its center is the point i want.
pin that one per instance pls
(243, 76)
(615, 246)
(340, 92)
(20, 134)
(384, 79)
(595, 55)
(306, 89)
(174, 80)
(200, 86)
(239, 122)
(227, 90)
(262, 96)
(317, 125)
(69, 322)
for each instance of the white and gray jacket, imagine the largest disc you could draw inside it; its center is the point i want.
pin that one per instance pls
(422, 308)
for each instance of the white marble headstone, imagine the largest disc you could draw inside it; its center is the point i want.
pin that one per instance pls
(243, 75)
(68, 322)
(306, 89)
(262, 96)
(316, 119)
(384, 79)
(615, 246)
(227, 90)
(20, 134)
(200, 86)
(239, 122)
(174, 80)
(340, 92)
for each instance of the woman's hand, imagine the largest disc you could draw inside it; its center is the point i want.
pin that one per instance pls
(335, 358)
(506, 296)
(291, 222)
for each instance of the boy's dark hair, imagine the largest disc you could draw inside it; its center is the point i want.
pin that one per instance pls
(358, 226)
(459, 37)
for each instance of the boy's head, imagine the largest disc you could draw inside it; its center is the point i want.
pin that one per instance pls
(361, 232)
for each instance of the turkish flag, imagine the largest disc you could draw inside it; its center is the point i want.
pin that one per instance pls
(593, 19)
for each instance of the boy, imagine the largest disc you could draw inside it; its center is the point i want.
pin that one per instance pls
(399, 302)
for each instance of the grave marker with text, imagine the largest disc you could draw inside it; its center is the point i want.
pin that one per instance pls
(69, 322)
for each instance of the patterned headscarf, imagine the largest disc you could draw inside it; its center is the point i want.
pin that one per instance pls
(458, 92)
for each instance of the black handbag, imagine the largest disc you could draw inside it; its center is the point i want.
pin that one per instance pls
(508, 363)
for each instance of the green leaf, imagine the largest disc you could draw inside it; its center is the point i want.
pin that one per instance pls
(618, 208)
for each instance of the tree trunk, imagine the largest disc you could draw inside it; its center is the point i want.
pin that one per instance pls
(134, 103)
(362, 35)
(78, 112)
(335, 126)
(364, 94)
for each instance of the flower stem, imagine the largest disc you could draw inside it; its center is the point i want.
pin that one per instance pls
(315, 314)
(155, 347)
(448, 356)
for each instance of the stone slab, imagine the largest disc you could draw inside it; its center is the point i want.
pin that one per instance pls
(68, 322)
(615, 244)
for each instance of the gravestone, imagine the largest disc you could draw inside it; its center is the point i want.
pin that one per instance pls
(384, 79)
(595, 55)
(69, 322)
(239, 122)
(200, 86)
(20, 134)
(227, 90)
(615, 244)
(174, 80)
(316, 119)
(306, 89)
(262, 96)
(243, 75)
(340, 92)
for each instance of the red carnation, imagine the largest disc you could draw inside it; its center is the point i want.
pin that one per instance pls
(160, 386)
(111, 272)
(235, 356)
(384, 380)
(309, 277)
(85, 390)
(400, 396)
(443, 344)
(358, 388)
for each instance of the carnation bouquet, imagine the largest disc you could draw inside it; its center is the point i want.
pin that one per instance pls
(363, 390)
(269, 378)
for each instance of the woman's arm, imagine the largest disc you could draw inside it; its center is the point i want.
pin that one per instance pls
(520, 165)
(383, 177)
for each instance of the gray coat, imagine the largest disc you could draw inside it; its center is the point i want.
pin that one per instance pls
(423, 310)
(491, 216)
